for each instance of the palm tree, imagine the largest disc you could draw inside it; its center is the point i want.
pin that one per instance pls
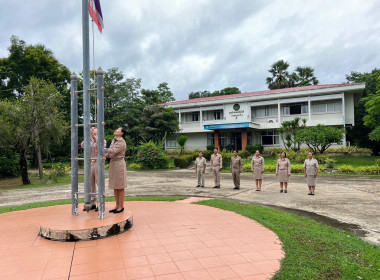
(305, 76)
(280, 75)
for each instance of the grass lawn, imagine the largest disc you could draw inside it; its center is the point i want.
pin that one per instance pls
(313, 250)
(16, 183)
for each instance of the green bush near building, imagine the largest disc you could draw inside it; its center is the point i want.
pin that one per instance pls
(183, 161)
(253, 148)
(9, 164)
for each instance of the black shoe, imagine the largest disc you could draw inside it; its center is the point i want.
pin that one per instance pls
(198, 186)
(309, 194)
(202, 186)
(92, 208)
(217, 187)
(236, 188)
(96, 209)
(112, 210)
(286, 191)
(119, 211)
(281, 191)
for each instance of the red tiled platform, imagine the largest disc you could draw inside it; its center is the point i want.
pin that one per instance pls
(58, 225)
(168, 240)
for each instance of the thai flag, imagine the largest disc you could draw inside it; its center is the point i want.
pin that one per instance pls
(96, 13)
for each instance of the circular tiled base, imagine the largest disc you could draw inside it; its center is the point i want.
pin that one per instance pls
(61, 226)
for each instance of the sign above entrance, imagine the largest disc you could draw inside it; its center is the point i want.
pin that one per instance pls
(226, 126)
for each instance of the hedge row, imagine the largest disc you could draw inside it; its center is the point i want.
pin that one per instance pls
(367, 170)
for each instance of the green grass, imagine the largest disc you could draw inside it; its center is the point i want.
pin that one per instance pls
(313, 250)
(68, 201)
(355, 161)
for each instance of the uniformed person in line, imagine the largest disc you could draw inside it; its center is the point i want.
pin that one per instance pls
(257, 167)
(200, 169)
(236, 168)
(216, 167)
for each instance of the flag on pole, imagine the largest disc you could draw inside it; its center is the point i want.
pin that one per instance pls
(96, 13)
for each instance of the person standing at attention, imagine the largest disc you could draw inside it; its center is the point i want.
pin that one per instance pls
(117, 170)
(311, 169)
(283, 171)
(236, 168)
(94, 165)
(200, 169)
(257, 167)
(216, 167)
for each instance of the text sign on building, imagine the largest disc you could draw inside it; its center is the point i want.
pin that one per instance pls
(237, 112)
(226, 126)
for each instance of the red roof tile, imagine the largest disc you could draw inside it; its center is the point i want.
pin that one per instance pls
(259, 93)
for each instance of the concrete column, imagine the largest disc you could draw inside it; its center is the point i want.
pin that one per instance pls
(343, 110)
(216, 139)
(279, 110)
(244, 138)
(309, 108)
(179, 118)
(200, 117)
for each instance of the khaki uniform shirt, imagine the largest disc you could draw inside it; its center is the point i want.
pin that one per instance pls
(200, 162)
(236, 163)
(216, 161)
(311, 166)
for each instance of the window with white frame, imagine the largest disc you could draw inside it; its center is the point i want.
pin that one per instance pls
(223, 139)
(210, 139)
(270, 137)
(266, 111)
(295, 109)
(218, 114)
(171, 143)
(195, 117)
(326, 107)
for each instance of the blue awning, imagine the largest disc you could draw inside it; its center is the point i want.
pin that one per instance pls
(226, 126)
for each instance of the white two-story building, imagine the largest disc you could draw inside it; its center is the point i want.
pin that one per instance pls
(252, 118)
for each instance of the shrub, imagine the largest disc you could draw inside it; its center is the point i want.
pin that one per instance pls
(181, 140)
(247, 167)
(183, 161)
(346, 169)
(210, 147)
(58, 170)
(207, 154)
(371, 170)
(9, 164)
(377, 161)
(135, 166)
(330, 163)
(244, 154)
(273, 151)
(173, 152)
(151, 156)
(253, 148)
(226, 159)
(348, 150)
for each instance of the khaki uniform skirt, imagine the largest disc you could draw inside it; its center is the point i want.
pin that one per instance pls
(117, 174)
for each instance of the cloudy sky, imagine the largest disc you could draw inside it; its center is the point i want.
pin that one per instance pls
(197, 45)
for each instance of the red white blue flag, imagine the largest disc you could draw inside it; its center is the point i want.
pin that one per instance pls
(96, 13)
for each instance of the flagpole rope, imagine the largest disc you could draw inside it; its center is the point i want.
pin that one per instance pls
(93, 58)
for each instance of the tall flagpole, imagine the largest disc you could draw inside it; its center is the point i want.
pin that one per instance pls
(86, 105)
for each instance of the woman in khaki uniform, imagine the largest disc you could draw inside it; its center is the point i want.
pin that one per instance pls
(311, 168)
(283, 171)
(117, 170)
(257, 167)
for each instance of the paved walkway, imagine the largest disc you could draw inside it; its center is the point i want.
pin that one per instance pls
(169, 240)
(352, 200)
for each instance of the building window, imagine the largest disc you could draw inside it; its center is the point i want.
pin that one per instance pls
(210, 139)
(270, 137)
(223, 139)
(295, 109)
(326, 107)
(218, 115)
(195, 117)
(266, 111)
(249, 138)
(171, 143)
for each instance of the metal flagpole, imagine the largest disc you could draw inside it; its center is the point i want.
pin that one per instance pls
(86, 105)
(74, 145)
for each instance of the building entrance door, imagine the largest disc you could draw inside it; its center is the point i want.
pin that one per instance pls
(235, 140)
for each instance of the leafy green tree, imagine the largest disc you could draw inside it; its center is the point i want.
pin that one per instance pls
(206, 93)
(305, 76)
(288, 130)
(182, 139)
(319, 138)
(32, 122)
(280, 75)
(157, 122)
(372, 119)
(359, 134)
(26, 61)
(157, 96)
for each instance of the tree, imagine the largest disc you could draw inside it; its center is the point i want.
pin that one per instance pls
(157, 122)
(372, 120)
(359, 134)
(33, 121)
(157, 96)
(288, 130)
(182, 142)
(206, 93)
(26, 61)
(305, 76)
(319, 138)
(280, 75)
